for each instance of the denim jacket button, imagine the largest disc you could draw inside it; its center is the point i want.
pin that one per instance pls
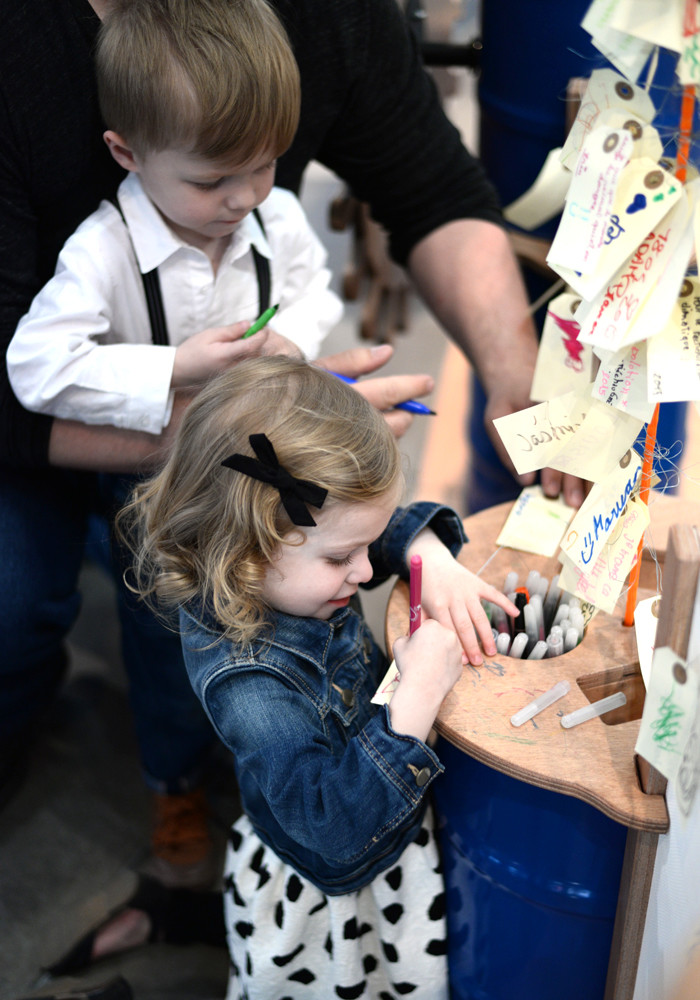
(423, 777)
(348, 697)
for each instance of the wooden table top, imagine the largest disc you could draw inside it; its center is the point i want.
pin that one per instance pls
(594, 761)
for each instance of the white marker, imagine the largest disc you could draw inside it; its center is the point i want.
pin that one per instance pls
(541, 702)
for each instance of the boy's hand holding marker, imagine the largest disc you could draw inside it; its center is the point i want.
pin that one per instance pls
(211, 351)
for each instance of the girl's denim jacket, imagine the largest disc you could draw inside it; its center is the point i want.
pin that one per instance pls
(324, 779)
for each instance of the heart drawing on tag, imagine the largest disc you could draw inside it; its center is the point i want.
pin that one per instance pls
(638, 203)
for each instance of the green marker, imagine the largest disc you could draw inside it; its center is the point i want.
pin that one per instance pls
(260, 323)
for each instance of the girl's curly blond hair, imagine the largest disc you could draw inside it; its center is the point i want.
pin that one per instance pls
(201, 531)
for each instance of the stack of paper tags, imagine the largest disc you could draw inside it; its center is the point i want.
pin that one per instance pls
(625, 335)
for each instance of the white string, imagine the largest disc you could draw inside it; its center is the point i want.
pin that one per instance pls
(493, 554)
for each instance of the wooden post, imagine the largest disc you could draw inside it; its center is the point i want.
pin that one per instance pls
(680, 583)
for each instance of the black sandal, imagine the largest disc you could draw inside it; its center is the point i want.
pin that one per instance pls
(177, 916)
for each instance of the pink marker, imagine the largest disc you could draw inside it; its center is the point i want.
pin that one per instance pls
(415, 593)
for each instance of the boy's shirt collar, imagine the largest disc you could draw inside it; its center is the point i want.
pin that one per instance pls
(153, 240)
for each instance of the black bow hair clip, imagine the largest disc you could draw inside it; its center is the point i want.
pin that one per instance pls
(294, 493)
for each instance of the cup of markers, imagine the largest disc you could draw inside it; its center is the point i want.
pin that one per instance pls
(550, 622)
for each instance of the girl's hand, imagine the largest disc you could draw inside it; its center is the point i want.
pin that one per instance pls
(430, 664)
(452, 595)
(213, 350)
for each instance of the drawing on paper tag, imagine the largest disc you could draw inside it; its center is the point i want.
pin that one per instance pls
(670, 710)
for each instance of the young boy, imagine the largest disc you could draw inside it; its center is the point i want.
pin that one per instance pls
(153, 294)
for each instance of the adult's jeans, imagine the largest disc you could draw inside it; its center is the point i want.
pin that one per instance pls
(43, 525)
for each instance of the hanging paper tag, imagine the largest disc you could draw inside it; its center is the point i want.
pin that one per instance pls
(626, 53)
(617, 315)
(673, 355)
(572, 433)
(644, 196)
(563, 363)
(585, 220)
(606, 89)
(657, 21)
(670, 708)
(621, 381)
(544, 199)
(605, 577)
(646, 620)
(602, 511)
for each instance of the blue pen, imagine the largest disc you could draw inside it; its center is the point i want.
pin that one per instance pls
(410, 405)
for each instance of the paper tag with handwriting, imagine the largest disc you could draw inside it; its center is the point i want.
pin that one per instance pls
(688, 66)
(563, 363)
(644, 196)
(670, 708)
(572, 433)
(585, 221)
(646, 620)
(535, 523)
(603, 580)
(621, 380)
(627, 53)
(673, 354)
(602, 511)
(606, 89)
(624, 312)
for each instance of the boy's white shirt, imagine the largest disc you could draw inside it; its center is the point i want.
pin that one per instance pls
(84, 351)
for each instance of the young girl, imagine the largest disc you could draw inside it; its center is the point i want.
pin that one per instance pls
(278, 501)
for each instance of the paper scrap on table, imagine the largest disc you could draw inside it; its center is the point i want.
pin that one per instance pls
(670, 710)
(544, 198)
(390, 682)
(598, 517)
(657, 21)
(606, 89)
(585, 221)
(673, 354)
(563, 363)
(572, 433)
(627, 53)
(621, 381)
(535, 523)
(646, 620)
(603, 581)
(625, 311)
(644, 196)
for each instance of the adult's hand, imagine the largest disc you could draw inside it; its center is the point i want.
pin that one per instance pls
(468, 275)
(553, 482)
(383, 392)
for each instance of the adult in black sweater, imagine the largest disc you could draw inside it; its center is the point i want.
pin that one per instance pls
(371, 114)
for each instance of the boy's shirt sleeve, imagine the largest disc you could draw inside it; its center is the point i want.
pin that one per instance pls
(388, 553)
(73, 354)
(300, 276)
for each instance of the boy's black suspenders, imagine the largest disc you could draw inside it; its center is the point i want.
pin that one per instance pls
(154, 297)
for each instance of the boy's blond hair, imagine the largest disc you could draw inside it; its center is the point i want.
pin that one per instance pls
(213, 77)
(203, 532)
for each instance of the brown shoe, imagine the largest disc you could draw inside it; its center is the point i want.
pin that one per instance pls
(183, 851)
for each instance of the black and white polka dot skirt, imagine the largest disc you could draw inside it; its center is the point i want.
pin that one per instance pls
(289, 941)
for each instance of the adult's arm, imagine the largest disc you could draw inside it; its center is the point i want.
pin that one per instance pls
(468, 275)
(111, 449)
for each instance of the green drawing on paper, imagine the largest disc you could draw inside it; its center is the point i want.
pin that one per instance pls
(665, 728)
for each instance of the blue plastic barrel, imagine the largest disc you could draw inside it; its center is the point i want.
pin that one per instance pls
(530, 52)
(532, 884)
